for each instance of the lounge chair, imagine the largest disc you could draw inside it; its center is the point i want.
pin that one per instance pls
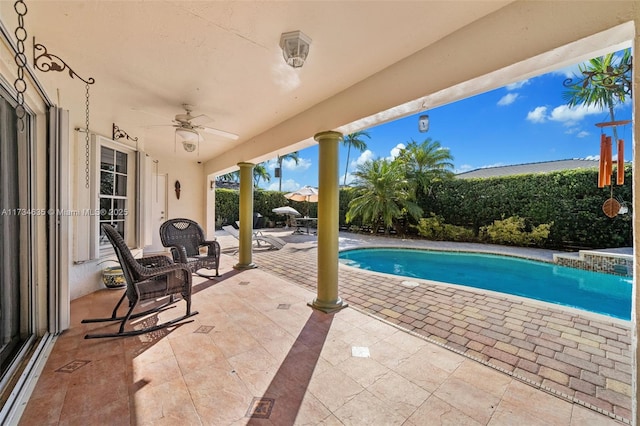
(147, 279)
(275, 242)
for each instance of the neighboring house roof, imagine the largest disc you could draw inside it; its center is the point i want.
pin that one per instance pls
(225, 184)
(529, 168)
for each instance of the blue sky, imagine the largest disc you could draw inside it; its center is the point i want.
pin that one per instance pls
(520, 123)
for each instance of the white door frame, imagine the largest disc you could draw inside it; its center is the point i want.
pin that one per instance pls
(159, 206)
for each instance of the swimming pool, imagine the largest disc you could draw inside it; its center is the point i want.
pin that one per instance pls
(591, 291)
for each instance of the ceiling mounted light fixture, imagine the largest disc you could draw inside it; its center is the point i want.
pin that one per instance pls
(295, 48)
(188, 146)
(189, 138)
(187, 134)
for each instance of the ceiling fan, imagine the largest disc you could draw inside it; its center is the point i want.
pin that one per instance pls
(188, 128)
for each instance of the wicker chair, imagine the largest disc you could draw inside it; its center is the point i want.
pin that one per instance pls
(185, 238)
(147, 278)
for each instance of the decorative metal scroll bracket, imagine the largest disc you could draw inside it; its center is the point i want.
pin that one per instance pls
(118, 133)
(618, 78)
(46, 62)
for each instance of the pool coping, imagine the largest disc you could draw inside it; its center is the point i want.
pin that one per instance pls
(542, 303)
(497, 293)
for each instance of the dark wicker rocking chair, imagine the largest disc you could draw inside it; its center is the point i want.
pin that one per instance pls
(147, 278)
(185, 238)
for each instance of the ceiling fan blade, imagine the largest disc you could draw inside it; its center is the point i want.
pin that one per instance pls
(159, 125)
(199, 120)
(220, 133)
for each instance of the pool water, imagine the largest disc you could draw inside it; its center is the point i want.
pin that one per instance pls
(591, 291)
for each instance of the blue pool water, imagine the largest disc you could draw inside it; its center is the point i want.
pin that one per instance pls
(591, 291)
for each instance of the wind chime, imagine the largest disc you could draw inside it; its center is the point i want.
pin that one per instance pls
(611, 207)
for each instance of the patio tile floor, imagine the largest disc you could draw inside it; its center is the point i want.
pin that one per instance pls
(575, 355)
(245, 359)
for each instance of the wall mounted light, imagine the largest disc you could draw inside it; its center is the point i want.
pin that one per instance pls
(423, 123)
(295, 48)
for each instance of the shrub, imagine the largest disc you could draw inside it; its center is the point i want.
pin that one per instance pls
(513, 231)
(434, 228)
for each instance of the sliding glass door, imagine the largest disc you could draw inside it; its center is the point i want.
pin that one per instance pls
(16, 296)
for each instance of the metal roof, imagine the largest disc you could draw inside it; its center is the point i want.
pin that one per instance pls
(529, 168)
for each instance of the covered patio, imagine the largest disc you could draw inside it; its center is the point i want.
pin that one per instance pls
(256, 354)
(126, 112)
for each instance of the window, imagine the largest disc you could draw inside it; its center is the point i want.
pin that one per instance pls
(114, 176)
(113, 194)
(111, 197)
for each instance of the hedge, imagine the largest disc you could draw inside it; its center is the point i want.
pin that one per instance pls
(570, 202)
(228, 201)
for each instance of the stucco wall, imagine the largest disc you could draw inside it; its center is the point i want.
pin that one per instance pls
(190, 174)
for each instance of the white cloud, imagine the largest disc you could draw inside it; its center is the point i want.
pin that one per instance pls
(583, 134)
(538, 115)
(367, 155)
(350, 178)
(592, 157)
(288, 185)
(271, 164)
(508, 99)
(464, 168)
(395, 151)
(488, 166)
(568, 72)
(517, 85)
(570, 116)
(290, 164)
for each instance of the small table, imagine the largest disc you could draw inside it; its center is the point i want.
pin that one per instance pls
(307, 221)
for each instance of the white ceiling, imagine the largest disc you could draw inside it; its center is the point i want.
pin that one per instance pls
(369, 62)
(150, 57)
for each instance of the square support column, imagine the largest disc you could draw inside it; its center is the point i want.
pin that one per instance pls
(327, 299)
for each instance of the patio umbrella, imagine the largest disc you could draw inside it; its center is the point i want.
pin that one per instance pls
(306, 193)
(286, 210)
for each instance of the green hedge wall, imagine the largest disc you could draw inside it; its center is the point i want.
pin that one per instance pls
(228, 200)
(571, 200)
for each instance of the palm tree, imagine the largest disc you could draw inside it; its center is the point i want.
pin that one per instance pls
(292, 156)
(260, 173)
(230, 177)
(384, 194)
(606, 82)
(354, 140)
(426, 162)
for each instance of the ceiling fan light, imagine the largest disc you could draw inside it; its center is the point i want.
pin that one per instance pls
(188, 134)
(188, 146)
(295, 48)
